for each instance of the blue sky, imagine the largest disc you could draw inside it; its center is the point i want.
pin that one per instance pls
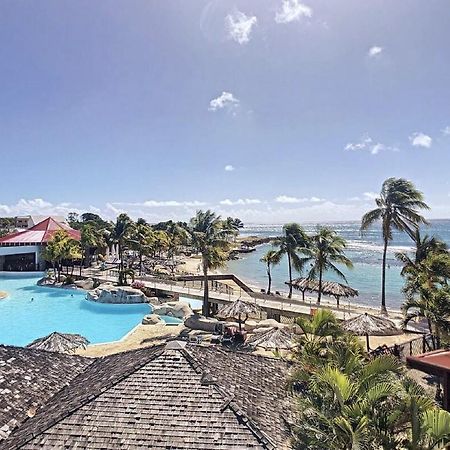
(267, 110)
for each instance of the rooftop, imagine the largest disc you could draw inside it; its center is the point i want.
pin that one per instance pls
(28, 379)
(167, 396)
(40, 233)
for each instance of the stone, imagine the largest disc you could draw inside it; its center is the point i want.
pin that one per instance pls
(261, 330)
(119, 294)
(271, 323)
(180, 310)
(250, 325)
(87, 284)
(152, 319)
(197, 322)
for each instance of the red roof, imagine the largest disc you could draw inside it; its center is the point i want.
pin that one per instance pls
(436, 362)
(39, 233)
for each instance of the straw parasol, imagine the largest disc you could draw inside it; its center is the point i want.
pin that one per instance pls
(237, 309)
(273, 339)
(369, 325)
(59, 342)
(332, 288)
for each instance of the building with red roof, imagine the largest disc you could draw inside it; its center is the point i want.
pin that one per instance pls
(21, 251)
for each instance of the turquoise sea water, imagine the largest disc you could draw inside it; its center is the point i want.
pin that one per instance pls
(365, 252)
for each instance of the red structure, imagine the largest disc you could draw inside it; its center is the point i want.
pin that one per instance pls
(434, 363)
(21, 251)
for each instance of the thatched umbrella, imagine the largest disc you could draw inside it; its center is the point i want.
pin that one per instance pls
(59, 342)
(369, 325)
(332, 288)
(237, 309)
(274, 339)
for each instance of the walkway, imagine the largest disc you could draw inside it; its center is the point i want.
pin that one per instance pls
(275, 304)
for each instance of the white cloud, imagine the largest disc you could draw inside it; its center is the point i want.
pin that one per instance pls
(240, 201)
(226, 100)
(292, 10)
(446, 131)
(420, 139)
(375, 51)
(239, 26)
(288, 199)
(173, 203)
(366, 143)
(370, 195)
(229, 168)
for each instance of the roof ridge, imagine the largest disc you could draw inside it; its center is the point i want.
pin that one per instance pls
(87, 398)
(228, 400)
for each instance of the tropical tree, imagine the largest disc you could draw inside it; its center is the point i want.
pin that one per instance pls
(178, 236)
(432, 304)
(120, 235)
(61, 247)
(233, 225)
(397, 209)
(327, 248)
(92, 238)
(209, 238)
(293, 241)
(349, 401)
(270, 259)
(140, 239)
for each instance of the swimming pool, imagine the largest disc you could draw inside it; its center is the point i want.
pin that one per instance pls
(32, 311)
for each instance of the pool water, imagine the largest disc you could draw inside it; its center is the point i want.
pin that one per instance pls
(32, 311)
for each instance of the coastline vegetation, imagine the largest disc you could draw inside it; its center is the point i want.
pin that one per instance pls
(351, 401)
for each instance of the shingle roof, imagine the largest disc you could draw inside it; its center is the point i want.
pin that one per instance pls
(165, 398)
(28, 378)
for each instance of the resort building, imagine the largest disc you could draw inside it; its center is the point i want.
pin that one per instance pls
(174, 395)
(21, 251)
(26, 222)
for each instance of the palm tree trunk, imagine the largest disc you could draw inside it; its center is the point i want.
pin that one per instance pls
(319, 295)
(269, 275)
(290, 275)
(140, 262)
(383, 279)
(205, 306)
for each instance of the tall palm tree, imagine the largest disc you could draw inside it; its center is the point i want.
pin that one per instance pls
(398, 209)
(293, 241)
(141, 236)
(210, 238)
(327, 248)
(271, 258)
(120, 235)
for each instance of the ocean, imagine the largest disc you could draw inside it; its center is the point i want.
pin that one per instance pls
(365, 251)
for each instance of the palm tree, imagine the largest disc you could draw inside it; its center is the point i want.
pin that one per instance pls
(327, 249)
(271, 258)
(91, 238)
(293, 241)
(432, 304)
(140, 238)
(120, 235)
(210, 239)
(351, 402)
(397, 209)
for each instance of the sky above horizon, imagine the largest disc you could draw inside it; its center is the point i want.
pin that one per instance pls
(271, 111)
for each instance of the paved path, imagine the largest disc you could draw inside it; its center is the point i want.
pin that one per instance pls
(277, 304)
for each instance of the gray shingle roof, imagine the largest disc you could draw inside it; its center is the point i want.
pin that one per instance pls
(28, 378)
(165, 398)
